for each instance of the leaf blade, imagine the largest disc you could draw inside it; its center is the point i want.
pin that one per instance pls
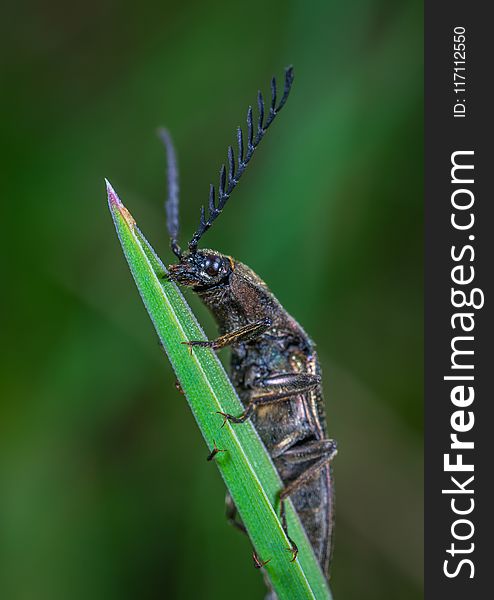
(246, 467)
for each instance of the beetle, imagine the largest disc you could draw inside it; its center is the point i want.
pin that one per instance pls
(274, 364)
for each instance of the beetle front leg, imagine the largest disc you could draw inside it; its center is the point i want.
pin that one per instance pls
(248, 332)
(276, 388)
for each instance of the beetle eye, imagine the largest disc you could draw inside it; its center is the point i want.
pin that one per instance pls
(212, 267)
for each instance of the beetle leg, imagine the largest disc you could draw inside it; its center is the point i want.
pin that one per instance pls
(322, 451)
(293, 546)
(258, 563)
(276, 388)
(214, 452)
(231, 514)
(243, 334)
(309, 451)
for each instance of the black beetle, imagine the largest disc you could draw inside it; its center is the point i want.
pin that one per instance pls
(274, 363)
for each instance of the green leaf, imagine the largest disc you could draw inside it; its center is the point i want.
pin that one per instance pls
(246, 467)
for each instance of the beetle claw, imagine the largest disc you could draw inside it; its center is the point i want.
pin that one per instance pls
(226, 417)
(189, 345)
(214, 451)
(293, 549)
(258, 563)
(232, 418)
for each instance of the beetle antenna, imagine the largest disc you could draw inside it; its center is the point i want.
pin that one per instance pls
(172, 202)
(229, 179)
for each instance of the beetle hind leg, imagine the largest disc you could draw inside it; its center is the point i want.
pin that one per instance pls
(320, 453)
(231, 514)
(293, 546)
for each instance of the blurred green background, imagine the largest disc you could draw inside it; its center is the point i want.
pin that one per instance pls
(104, 487)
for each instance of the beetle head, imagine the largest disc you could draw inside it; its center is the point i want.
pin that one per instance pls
(201, 269)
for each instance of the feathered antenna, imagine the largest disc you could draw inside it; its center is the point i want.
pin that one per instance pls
(171, 205)
(229, 180)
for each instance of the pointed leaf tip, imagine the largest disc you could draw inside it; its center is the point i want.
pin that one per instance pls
(116, 205)
(113, 199)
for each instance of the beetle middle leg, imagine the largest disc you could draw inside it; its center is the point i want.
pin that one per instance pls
(276, 388)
